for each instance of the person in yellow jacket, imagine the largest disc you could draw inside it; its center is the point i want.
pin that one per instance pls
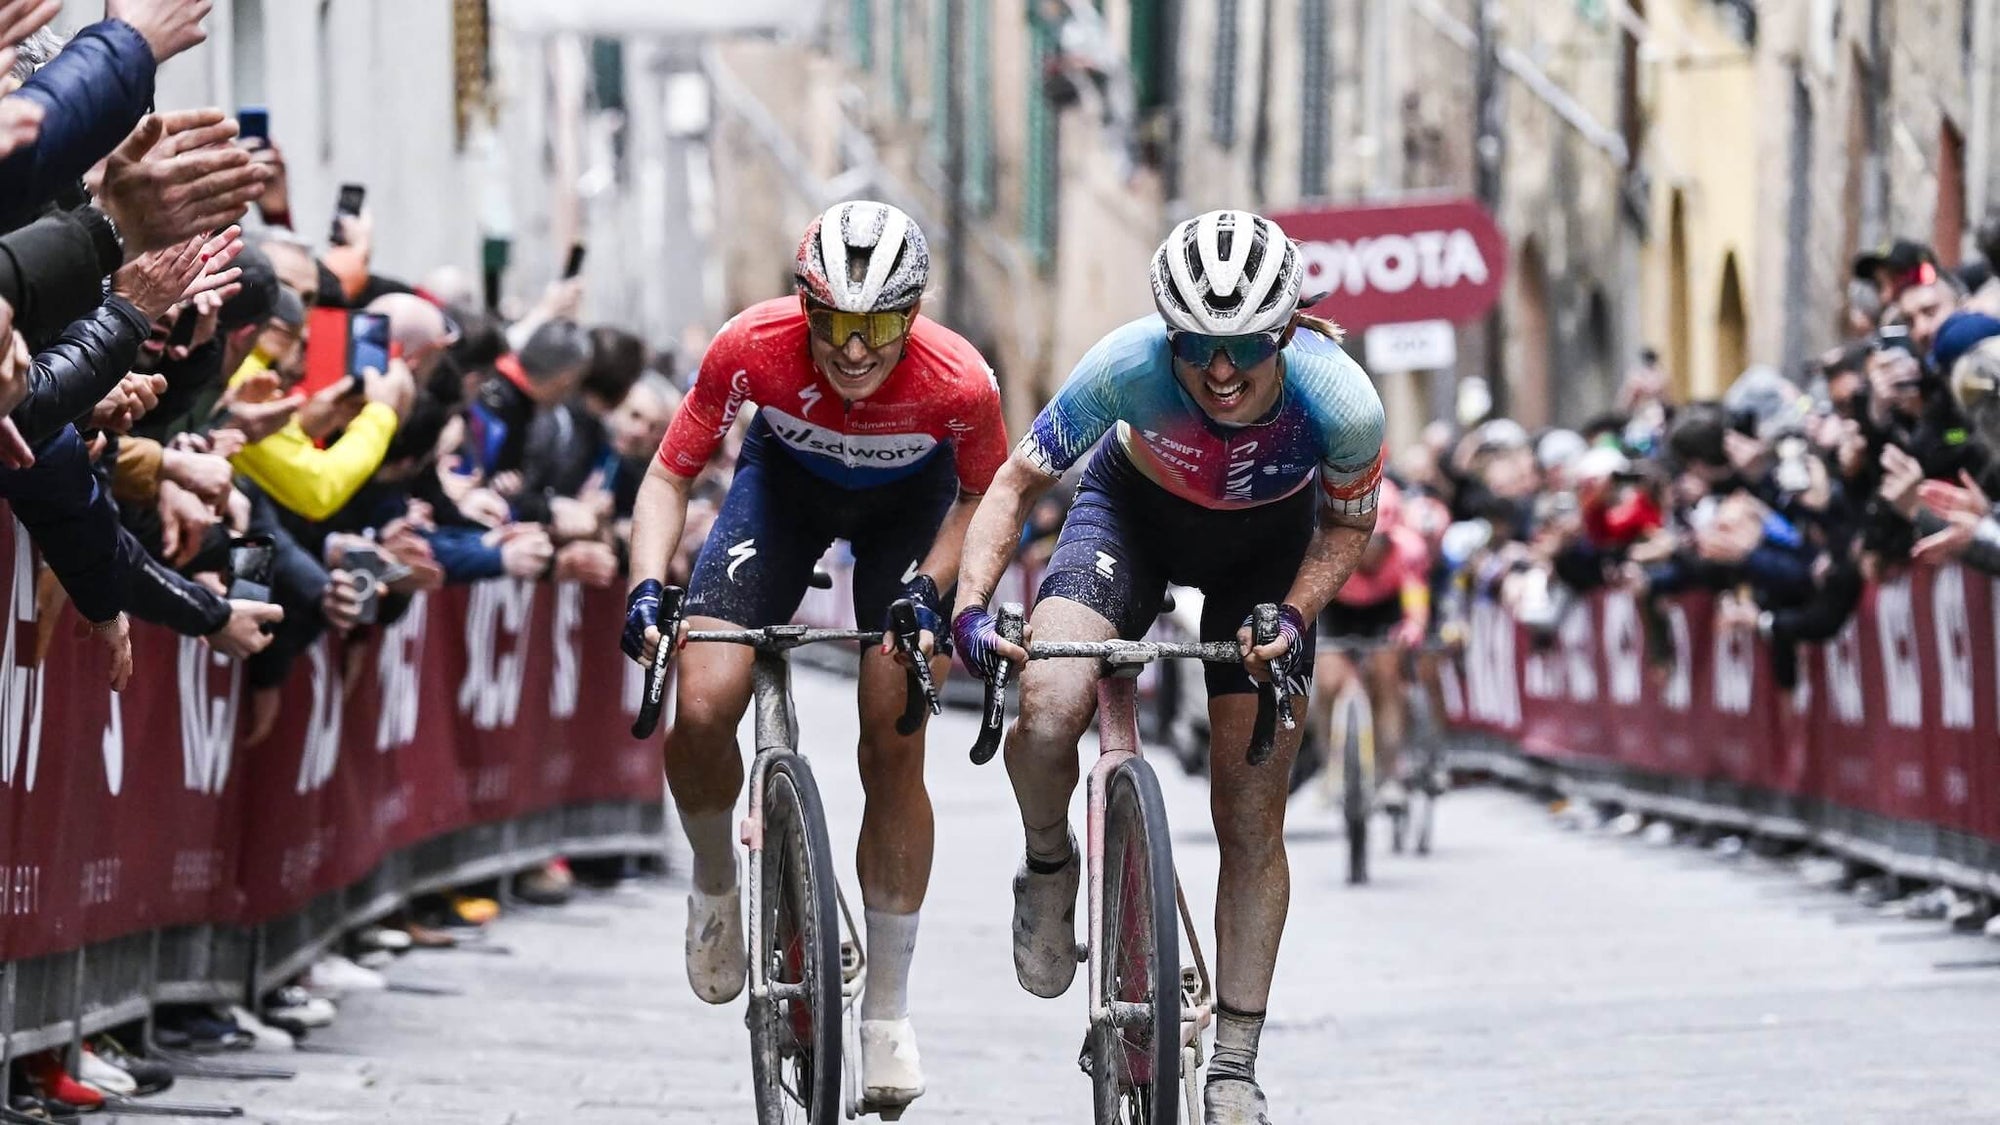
(289, 465)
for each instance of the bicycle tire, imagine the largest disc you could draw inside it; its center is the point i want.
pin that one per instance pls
(1135, 1073)
(795, 1045)
(1355, 798)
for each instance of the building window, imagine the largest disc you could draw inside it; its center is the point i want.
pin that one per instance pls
(979, 105)
(1222, 83)
(1317, 78)
(1038, 206)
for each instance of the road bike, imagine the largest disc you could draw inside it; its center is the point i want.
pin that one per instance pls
(808, 968)
(1143, 1046)
(1351, 726)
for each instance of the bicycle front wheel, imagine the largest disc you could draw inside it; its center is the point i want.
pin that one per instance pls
(795, 1027)
(1136, 1051)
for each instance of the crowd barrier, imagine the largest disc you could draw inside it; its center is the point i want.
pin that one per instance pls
(1887, 751)
(147, 856)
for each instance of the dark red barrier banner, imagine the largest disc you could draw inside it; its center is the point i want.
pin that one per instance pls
(1891, 737)
(131, 812)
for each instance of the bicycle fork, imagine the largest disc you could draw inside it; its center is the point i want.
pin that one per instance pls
(777, 733)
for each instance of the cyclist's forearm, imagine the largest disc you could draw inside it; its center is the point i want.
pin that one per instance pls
(949, 546)
(659, 513)
(995, 530)
(1332, 555)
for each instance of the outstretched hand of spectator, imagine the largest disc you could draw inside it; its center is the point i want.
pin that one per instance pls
(15, 362)
(483, 505)
(587, 561)
(256, 410)
(524, 549)
(1947, 499)
(14, 450)
(116, 637)
(1902, 475)
(20, 119)
(133, 398)
(178, 176)
(157, 281)
(243, 635)
(169, 26)
(184, 520)
(204, 474)
(22, 18)
(339, 603)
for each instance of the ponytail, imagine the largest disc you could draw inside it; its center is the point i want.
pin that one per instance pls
(1319, 324)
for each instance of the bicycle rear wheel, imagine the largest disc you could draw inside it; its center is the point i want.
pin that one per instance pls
(1136, 1054)
(795, 1037)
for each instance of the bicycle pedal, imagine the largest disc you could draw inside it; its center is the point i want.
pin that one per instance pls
(850, 961)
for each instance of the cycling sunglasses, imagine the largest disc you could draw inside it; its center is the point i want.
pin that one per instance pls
(876, 329)
(1244, 352)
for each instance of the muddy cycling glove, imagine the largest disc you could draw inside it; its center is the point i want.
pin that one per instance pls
(642, 612)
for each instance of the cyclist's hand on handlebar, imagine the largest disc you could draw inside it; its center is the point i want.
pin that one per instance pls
(922, 594)
(1257, 659)
(641, 639)
(1408, 634)
(981, 648)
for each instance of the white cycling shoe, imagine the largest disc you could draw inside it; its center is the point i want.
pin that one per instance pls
(717, 962)
(892, 1074)
(1045, 925)
(1234, 1101)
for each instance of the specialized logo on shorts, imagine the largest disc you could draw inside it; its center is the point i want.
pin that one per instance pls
(882, 451)
(1105, 563)
(741, 553)
(910, 575)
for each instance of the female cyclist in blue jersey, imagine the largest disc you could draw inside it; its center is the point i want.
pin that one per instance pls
(1245, 461)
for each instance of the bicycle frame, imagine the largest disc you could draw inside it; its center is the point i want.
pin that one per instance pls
(1118, 743)
(777, 733)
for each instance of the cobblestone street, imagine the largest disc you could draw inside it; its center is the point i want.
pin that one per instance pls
(1522, 974)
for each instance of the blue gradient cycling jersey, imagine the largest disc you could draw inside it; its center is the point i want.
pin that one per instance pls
(1328, 419)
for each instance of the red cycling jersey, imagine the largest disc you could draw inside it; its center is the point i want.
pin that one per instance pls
(940, 393)
(1406, 563)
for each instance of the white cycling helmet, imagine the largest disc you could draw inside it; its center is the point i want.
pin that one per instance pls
(862, 257)
(1227, 273)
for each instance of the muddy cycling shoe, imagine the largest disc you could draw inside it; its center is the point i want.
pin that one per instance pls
(1045, 923)
(716, 959)
(1235, 1101)
(1393, 796)
(892, 1074)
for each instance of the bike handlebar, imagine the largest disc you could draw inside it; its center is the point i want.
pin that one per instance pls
(1012, 620)
(782, 638)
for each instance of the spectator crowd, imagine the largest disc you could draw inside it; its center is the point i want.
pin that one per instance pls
(1784, 497)
(173, 458)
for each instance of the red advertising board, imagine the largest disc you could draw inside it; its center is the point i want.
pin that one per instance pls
(1396, 263)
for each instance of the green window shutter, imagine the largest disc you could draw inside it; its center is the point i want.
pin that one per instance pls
(1315, 140)
(899, 74)
(861, 26)
(1148, 52)
(979, 106)
(940, 81)
(1038, 209)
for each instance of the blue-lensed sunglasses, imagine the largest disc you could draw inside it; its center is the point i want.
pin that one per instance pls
(1244, 352)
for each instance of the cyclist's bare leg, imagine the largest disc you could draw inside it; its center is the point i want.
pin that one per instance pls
(893, 859)
(1057, 699)
(705, 773)
(704, 766)
(1253, 889)
(1385, 699)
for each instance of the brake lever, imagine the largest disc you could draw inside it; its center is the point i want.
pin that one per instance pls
(922, 688)
(1271, 700)
(655, 699)
(993, 718)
